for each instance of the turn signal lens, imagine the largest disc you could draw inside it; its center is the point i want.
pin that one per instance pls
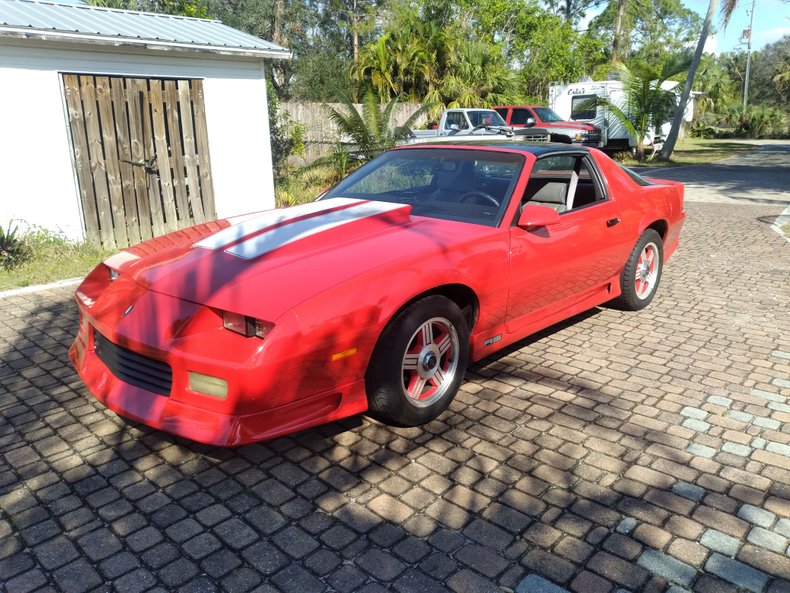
(246, 325)
(262, 328)
(235, 322)
(200, 383)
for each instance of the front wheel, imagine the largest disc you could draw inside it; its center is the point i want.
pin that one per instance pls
(419, 363)
(642, 273)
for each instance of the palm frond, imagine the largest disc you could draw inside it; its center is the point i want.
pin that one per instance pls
(621, 116)
(727, 8)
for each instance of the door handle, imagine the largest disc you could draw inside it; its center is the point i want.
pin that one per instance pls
(612, 221)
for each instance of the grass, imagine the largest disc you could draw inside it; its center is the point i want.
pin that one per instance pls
(694, 151)
(786, 230)
(52, 258)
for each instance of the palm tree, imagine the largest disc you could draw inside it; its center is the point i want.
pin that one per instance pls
(372, 130)
(727, 8)
(647, 103)
(477, 78)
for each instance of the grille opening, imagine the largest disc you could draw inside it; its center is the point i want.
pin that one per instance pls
(133, 368)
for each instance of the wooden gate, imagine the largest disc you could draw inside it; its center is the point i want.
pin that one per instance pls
(141, 155)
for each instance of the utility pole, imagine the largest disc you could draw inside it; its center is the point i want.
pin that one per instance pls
(748, 60)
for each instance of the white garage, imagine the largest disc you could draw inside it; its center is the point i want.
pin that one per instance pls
(122, 125)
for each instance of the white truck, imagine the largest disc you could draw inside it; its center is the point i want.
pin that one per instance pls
(573, 102)
(456, 123)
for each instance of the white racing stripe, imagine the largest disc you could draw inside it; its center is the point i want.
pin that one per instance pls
(280, 236)
(266, 219)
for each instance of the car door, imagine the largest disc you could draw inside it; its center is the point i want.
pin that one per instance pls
(556, 267)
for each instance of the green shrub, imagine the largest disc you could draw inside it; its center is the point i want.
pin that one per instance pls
(14, 251)
(701, 130)
(49, 256)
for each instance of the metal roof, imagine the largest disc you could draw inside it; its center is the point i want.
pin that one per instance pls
(79, 22)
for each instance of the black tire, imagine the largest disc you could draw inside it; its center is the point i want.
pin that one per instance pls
(432, 335)
(641, 274)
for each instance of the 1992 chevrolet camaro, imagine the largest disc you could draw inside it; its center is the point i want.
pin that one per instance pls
(373, 298)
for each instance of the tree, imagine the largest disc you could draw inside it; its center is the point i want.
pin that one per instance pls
(770, 74)
(288, 24)
(193, 8)
(715, 81)
(479, 78)
(573, 10)
(647, 103)
(648, 29)
(726, 11)
(435, 55)
(372, 130)
(555, 52)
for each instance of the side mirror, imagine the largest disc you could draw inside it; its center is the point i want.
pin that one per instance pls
(531, 121)
(534, 215)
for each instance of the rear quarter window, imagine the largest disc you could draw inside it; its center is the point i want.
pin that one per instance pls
(636, 177)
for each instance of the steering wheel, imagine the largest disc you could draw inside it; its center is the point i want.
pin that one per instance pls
(479, 197)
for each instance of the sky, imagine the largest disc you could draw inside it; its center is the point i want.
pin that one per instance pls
(771, 23)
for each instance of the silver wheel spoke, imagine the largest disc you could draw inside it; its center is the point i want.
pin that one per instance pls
(410, 362)
(445, 344)
(419, 384)
(427, 333)
(438, 377)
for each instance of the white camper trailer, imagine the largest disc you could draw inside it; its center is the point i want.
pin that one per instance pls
(572, 102)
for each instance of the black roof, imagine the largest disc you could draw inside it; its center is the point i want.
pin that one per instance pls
(516, 145)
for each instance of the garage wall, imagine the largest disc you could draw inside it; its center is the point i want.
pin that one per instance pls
(37, 182)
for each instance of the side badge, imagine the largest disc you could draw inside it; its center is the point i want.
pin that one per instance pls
(129, 310)
(493, 340)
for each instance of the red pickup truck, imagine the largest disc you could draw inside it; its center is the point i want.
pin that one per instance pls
(569, 132)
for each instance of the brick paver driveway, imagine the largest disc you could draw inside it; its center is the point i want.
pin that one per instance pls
(619, 451)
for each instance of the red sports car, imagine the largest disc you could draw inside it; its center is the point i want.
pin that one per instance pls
(373, 298)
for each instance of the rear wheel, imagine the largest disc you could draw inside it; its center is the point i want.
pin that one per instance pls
(642, 273)
(419, 363)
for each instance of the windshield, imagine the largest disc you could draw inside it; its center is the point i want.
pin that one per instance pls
(546, 114)
(487, 117)
(452, 184)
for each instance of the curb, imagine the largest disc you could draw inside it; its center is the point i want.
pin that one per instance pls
(39, 287)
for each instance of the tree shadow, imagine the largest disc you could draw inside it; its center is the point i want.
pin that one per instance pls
(501, 485)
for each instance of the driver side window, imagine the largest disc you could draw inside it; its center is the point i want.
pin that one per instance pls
(563, 182)
(456, 118)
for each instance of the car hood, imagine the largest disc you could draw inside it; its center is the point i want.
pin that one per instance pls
(265, 264)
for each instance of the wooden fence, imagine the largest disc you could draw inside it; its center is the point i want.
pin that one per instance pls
(321, 134)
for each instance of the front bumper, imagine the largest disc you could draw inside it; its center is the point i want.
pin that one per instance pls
(269, 392)
(196, 423)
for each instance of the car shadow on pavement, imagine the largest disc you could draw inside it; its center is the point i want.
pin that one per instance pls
(530, 471)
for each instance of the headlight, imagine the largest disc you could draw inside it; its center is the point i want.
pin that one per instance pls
(581, 135)
(114, 274)
(246, 325)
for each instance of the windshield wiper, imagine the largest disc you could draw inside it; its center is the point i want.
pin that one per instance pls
(507, 131)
